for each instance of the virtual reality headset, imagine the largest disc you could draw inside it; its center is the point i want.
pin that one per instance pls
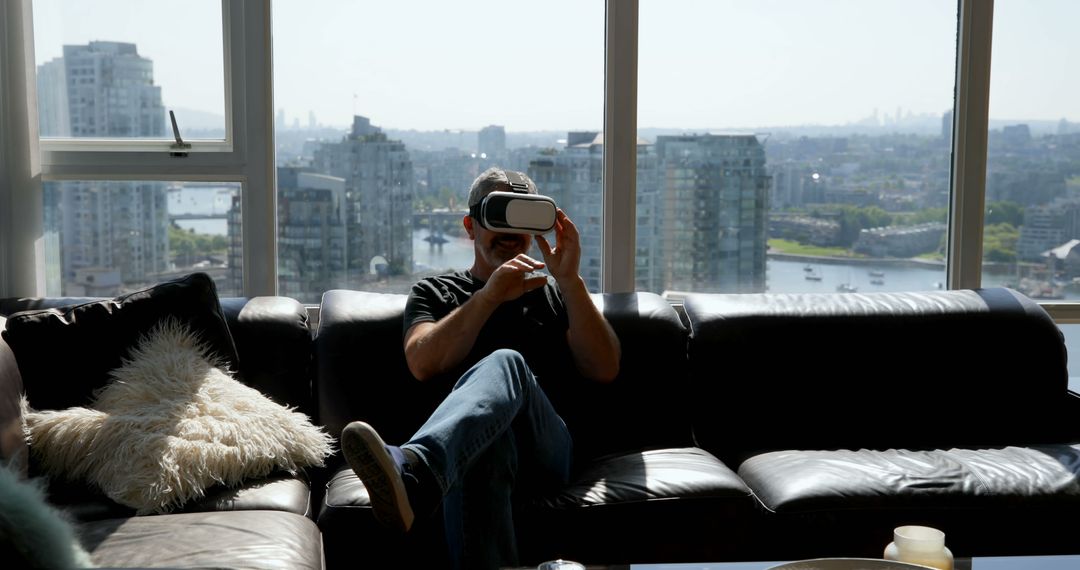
(515, 212)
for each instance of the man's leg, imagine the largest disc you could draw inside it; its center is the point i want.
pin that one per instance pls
(499, 391)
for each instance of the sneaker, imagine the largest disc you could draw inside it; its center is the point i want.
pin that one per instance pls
(381, 472)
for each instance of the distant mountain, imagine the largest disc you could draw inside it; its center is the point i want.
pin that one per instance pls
(190, 119)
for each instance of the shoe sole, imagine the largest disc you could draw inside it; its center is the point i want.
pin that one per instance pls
(372, 463)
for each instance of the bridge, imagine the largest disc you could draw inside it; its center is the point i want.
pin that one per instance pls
(174, 217)
(438, 220)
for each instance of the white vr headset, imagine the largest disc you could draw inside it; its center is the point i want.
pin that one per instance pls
(517, 211)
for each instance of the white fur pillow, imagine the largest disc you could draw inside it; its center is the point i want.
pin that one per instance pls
(172, 423)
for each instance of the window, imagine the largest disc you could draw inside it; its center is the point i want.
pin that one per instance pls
(106, 74)
(1032, 225)
(111, 69)
(419, 91)
(107, 237)
(380, 133)
(804, 139)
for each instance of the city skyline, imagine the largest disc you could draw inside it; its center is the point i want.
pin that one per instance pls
(353, 63)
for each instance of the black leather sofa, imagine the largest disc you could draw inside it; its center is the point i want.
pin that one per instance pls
(850, 414)
(746, 427)
(265, 523)
(762, 427)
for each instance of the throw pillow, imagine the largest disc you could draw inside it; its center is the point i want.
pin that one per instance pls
(172, 423)
(64, 355)
(32, 533)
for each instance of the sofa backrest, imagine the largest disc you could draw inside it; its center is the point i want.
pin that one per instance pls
(877, 370)
(361, 374)
(272, 337)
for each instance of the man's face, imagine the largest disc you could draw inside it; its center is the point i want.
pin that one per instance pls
(495, 248)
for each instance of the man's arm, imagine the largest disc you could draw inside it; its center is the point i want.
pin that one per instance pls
(592, 341)
(432, 348)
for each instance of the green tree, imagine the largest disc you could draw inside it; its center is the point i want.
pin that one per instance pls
(1005, 213)
(999, 242)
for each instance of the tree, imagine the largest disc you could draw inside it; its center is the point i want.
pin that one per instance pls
(999, 243)
(1005, 213)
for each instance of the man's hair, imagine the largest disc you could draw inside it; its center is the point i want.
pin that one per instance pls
(494, 179)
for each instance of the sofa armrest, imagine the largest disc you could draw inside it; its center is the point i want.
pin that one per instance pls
(273, 342)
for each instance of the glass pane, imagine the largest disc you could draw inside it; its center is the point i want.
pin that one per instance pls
(1033, 150)
(1072, 346)
(380, 134)
(114, 68)
(104, 238)
(793, 146)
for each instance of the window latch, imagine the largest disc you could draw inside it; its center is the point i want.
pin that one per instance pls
(179, 147)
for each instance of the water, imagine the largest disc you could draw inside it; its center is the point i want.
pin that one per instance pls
(212, 201)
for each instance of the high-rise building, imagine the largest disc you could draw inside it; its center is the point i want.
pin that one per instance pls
(701, 209)
(491, 141)
(574, 179)
(104, 89)
(312, 256)
(378, 177)
(713, 215)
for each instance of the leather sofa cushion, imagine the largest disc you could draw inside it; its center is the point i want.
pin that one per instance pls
(991, 478)
(664, 505)
(273, 340)
(248, 539)
(659, 474)
(66, 354)
(278, 492)
(988, 501)
(848, 371)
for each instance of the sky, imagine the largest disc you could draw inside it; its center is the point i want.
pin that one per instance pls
(703, 64)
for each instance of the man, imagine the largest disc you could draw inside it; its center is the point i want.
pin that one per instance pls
(496, 328)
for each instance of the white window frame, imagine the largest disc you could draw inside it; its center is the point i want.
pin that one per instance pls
(245, 156)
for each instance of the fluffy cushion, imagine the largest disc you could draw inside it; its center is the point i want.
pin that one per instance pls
(32, 533)
(64, 355)
(172, 423)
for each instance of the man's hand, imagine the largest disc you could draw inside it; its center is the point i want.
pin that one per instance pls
(562, 260)
(513, 279)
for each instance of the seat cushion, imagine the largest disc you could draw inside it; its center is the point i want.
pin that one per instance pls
(247, 539)
(679, 504)
(278, 492)
(988, 501)
(1009, 477)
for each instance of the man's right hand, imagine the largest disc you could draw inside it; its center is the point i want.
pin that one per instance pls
(513, 279)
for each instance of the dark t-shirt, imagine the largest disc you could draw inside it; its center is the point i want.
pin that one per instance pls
(534, 324)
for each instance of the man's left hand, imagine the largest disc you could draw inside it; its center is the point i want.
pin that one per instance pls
(562, 260)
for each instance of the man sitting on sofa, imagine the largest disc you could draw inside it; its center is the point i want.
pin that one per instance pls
(499, 329)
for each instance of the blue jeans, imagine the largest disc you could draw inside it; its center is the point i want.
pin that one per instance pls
(495, 432)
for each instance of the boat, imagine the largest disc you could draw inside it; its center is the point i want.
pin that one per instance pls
(1039, 289)
(436, 239)
(846, 288)
(877, 273)
(812, 276)
(808, 268)
(877, 281)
